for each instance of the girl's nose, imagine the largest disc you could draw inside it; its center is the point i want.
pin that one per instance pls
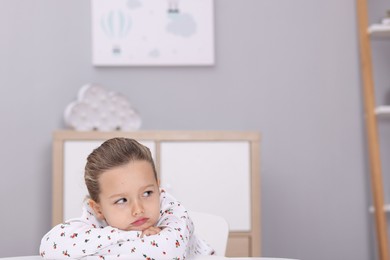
(137, 208)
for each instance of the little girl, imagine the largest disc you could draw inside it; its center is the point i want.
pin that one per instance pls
(126, 214)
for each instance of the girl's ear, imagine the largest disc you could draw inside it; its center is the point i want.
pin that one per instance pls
(97, 209)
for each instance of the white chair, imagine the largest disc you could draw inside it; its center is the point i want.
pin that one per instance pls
(214, 230)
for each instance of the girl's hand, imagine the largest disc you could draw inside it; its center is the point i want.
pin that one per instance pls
(150, 231)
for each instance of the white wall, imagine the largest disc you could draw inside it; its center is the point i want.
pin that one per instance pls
(288, 69)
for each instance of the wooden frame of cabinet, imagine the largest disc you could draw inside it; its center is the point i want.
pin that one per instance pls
(238, 241)
(372, 130)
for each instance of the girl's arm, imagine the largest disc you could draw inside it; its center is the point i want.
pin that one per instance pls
(81, 237)
(173, 242)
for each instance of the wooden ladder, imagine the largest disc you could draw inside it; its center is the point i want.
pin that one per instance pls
(372, 131)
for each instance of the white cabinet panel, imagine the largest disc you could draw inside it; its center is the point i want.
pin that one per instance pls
(210, 177)
(75, 157)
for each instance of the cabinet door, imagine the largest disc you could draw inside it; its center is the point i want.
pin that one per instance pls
(212, 176)
(75, 158)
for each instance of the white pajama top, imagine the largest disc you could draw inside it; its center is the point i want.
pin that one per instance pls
(90, 237)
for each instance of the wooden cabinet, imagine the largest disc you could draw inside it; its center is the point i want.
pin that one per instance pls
(214, 172)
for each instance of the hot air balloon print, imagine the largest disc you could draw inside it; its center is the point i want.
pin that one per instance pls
(116, 25)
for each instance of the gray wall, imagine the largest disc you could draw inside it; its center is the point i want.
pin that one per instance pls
(288, 69)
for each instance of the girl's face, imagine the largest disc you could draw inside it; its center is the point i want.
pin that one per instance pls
(129, 197)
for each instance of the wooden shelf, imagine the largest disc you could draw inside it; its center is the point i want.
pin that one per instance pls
(382, 111)
(386, 208)
(379, 31)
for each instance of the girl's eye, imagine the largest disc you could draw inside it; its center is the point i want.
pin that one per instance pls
(147, 193)
(121, 201)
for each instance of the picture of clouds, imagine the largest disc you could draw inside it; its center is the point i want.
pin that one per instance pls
(152, 32)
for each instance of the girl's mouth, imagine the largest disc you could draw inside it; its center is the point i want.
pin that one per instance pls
(139, 222)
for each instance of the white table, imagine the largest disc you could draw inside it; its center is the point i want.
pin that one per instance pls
(37, 257)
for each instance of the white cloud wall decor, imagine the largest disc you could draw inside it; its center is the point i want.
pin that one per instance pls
(99, 109)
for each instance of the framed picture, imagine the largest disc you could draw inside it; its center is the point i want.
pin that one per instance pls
(152, 32)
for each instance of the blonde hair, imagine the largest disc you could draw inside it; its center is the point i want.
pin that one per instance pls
(113, 153)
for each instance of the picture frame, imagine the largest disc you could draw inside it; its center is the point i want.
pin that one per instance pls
(152, 33)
